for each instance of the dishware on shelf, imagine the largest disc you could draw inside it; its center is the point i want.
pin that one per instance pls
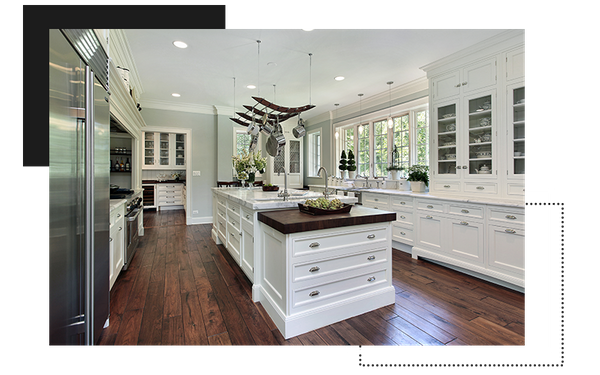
(483, 154)
(517, 153)
(487, 105)
(486, 121)
(450, 144)
(450, 127)
(450, 156)
(484, 169)
(449, 115)
(485, 137)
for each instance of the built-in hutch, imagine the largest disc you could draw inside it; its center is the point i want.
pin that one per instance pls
(477, 120)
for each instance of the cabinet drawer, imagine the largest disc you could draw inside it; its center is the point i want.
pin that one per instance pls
(339, 241)
(169, 201)
(170, 195)
(507, 215)
(466, 210)
(428, 205)
(248, 220)
(404, 218)
(402, 202)
(378, 201)
(233, 208)
(222, 202)
(403, 234)
(222, 228)
(324, 267)
(169, 188)
(447, 186)
(481, 187)
(515, 189)
(233, 242)
(235, 223)
(334, 291)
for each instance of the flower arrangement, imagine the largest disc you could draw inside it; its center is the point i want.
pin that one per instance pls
(419, 173)
(248, 164)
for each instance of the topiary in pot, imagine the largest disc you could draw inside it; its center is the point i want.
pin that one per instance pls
(343, 163)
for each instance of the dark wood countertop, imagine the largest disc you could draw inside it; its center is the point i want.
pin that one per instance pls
(294, 221)
(163, 182)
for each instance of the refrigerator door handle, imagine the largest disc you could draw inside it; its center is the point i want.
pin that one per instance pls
(89, 209)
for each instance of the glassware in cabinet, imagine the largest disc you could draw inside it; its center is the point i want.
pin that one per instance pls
(518, 125)
(164, 149)
(148, 148)
(480, 135)
(180, 149)
(446, 133)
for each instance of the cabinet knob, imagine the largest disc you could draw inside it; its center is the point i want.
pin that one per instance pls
(429, 206)
(314, 244)
(457, 85)
(371, 279)
(511, 231)
(376, 200)
(248, 217)
(480, 188)
(464, 211)
(314, 293)
(371, 236)
(402, 233)
(118, 215)
(402, 217)
(428, 217)
(446, 186)
(109, 239)
(372, 257)
(511, 217)
(314, 269)
(402, 202)
(464, 83)
(464, 223)
(120, 228)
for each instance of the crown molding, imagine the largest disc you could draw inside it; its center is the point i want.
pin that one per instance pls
(180, 107)
(120, 53)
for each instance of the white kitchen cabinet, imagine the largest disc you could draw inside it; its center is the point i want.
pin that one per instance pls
(469, 79)
(169, 194)
(290, 158)
(163, 150)
(506, 250)
(116, 242)
(516, 131)
(515, 64)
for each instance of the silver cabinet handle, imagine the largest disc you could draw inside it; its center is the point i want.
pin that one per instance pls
(465, 167)
(375, 208)
(120, 228)
(511, 217)
(370, 279)
(402, 233)
(457, 85)
(231, 234)
(429, 206)
(314, 269)
(402, 202)
(314, 244)
(371, 236)
(402, 217)
(464, 211)
(314, 293)
(372, 257)
(464, 83)
(109, 239)
(464, 223)
(480, 188)
(446, 186)
(118, 215)
(376, 200)
(428, 217)
(247, 217)
(511, 231)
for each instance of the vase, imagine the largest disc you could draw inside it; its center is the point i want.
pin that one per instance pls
(395, 173)
(417, 186)
(251, 177)
(352, 174)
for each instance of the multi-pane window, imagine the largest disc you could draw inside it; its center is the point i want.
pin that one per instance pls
(242, 141)
(363, 161)
(375, 142)
(422, 130)
(380, 147)
(314, 153)
(402, 140)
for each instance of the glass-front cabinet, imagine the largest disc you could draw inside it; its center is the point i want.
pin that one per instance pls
(163, 150)
(446, 116)
(516, 131)
(481, 125)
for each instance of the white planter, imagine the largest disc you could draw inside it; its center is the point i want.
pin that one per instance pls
(395, 174)
(403, 185)
(417, 186)
(352, 174)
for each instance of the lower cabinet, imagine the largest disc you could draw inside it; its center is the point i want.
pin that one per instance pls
(505, 250)
(116, 242)
(169, 195)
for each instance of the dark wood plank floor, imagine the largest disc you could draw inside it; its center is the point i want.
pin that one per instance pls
(183, 289)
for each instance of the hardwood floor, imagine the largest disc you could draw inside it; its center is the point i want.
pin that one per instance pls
(183, 289)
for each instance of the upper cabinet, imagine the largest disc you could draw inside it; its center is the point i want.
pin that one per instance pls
(477, 111)
(290, 159)
(164, 150)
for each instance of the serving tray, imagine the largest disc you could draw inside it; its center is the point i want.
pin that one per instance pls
(319, 211)
(270, 188)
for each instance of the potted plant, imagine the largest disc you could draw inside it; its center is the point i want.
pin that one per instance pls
(351, 165)
(343, 167)
(395, 170)
(418, 175)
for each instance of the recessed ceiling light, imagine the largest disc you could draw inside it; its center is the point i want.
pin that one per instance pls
(251, 87)
(339, 78)
(179, 44)
(175, 95)
(308, 29)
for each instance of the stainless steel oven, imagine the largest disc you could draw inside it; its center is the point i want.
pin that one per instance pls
(131, 230)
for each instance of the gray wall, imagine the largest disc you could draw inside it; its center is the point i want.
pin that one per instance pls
(326, 157)
(204, 154)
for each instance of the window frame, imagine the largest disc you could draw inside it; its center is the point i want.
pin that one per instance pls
(411, 109)
(309, 136)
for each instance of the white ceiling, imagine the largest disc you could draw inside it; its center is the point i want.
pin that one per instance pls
(204, 72)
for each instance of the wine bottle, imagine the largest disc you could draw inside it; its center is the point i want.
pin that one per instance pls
(122, 165)
(127, 166)
(117, 167)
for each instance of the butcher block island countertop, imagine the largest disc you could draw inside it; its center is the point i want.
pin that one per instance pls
(317, 270)
(294, 221)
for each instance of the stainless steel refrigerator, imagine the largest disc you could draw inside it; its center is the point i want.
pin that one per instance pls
(79, 167)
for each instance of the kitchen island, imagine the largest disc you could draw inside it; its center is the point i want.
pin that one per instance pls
(235, 224)
(318, 270)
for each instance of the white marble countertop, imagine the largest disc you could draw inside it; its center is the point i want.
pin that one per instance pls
(114, 203)
(256, 199)
(478, 200)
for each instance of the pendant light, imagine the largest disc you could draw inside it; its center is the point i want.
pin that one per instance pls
(360, 126)
(390, 121)
(337, 133)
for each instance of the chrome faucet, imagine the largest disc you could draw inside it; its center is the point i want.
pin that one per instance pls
(326, 193)
(283, 194)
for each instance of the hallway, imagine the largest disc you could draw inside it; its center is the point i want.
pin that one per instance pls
(183, 289)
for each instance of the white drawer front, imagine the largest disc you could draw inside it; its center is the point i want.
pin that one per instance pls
(170, 201)
(404, 218)
(169, 188)
(314, 296)
(221, 201)
(349, 241)
(402, 234)
(507, 215)
(378, 201)
(430, 205)
(466, 210)
(324, 267)
(447, 186)
(248, 220)
(515, 189)
(402, 202)
(481, 187)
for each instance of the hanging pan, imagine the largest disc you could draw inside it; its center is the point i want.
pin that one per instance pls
(299, 130)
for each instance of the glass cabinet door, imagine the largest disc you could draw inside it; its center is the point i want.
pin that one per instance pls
(446, 138)
(517, 166)
(180, 149)
(149, 149)
(163, 160)
(294, 156)
(480, 135)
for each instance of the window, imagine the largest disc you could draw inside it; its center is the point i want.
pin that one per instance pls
(422, 124)
(380, 148)
(363, 151)
(314, 152)
(401, 140)
(242, 141)
(374, 146)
